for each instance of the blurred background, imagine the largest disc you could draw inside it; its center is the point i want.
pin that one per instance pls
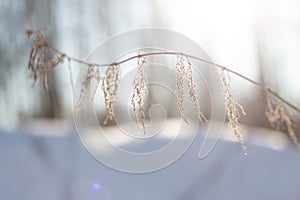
(257, 38)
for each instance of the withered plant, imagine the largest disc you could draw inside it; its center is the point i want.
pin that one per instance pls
(43, 58)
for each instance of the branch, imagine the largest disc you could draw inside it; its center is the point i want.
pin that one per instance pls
(260, 85)
(40, 64)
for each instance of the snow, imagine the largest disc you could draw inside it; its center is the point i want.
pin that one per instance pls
(57, 167)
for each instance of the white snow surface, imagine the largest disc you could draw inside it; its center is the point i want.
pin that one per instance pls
(58, 167)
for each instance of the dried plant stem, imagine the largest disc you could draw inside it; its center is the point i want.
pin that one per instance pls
(232, 109)
(262, 86)
(45, 44)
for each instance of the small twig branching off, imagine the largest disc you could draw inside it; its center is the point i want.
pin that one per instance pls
(43, 58)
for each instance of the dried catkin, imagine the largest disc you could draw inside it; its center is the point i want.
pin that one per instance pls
(93, 72)
(279, 117)
(37, 54)
(179, 89)
(110, 84)
(139, 92)
(85, 85)
(232, 109)
(98, 78)
(49, 66)
(184, 74)
(193, 96)
(40, 63)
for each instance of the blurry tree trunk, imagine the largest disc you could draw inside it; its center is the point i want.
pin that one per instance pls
(50, 106)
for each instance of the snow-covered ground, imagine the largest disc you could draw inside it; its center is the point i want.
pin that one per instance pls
(57, 167)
